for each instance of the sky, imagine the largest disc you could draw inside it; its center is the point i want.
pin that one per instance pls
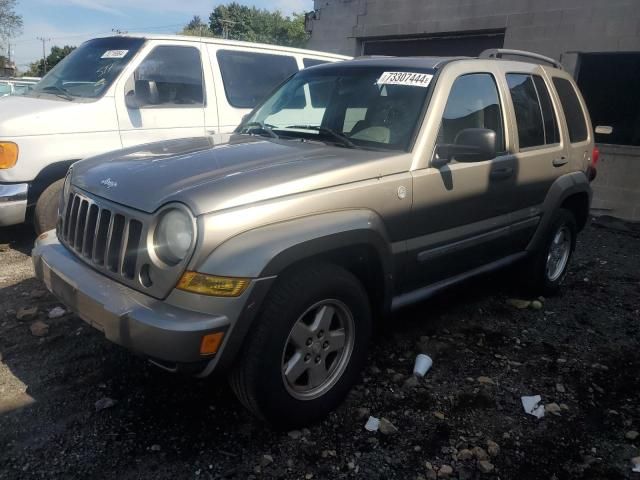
(70, 22)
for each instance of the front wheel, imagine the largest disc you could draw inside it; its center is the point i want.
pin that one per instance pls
(307, 347)
(547, 269)
(46, 212)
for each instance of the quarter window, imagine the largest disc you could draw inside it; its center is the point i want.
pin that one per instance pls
(173, 76)
(473, 103)
(249, 77)
(576, 122)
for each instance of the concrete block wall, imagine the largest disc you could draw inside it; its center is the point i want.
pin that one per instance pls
(557, 28)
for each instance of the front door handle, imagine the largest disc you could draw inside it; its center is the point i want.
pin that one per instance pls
(501, 173)
(559, 162)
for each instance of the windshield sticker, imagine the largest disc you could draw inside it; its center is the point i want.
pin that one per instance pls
(115, 54)
(412, 79)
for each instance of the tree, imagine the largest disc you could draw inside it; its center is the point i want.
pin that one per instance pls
(10, 21)
(36, 69)
(240, 22)
(197, 28)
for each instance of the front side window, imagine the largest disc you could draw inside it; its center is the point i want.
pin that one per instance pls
(356, 107)
(473, 103)
(88, 71)
(249, 77)
(576, 122)
(172, 75)
(5, 89)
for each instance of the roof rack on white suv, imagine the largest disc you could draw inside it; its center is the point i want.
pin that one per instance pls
(499, 52)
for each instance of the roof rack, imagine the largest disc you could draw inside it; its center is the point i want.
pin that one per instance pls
(499, 52)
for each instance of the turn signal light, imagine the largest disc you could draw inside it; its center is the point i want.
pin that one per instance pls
(210, 343)
(8, 154)
(211, 285)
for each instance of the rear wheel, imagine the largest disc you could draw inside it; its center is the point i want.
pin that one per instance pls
(307, 347)
(547, 269)
(46, 212)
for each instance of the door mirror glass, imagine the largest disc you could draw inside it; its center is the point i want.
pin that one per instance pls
(470, 145)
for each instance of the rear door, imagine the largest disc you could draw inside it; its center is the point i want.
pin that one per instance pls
(172, 77)
(540, 144)
(245, 77)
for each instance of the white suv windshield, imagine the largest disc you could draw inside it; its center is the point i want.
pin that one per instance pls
(89, 70)
(348, 105)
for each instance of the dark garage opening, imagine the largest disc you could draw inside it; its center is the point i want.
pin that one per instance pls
(446, 45)
(610, 83)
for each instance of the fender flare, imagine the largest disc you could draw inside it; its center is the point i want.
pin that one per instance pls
(561, 189)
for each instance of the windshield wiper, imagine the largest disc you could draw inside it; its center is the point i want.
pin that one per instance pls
(62, 92)
(342, 139)
(264, 127)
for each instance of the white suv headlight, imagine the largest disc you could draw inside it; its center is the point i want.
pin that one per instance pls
(173, 236)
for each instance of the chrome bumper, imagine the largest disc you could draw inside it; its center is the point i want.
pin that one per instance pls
(167, 334)
(13, 203)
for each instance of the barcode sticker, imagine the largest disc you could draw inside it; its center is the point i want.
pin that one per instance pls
(412, 79)
(115, 54)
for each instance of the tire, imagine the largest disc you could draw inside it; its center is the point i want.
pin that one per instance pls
(538, 276)
(258, 378)
(46, 212)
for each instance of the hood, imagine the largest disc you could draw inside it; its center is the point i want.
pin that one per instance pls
(225, 171)
(24, 116)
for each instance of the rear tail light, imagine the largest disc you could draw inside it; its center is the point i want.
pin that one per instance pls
(595, 157)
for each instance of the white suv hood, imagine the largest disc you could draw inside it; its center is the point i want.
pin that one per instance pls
(28, 116)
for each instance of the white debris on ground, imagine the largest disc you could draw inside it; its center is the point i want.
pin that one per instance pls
(532, 405)
(422, 365)
(57, 312)
(372, 424)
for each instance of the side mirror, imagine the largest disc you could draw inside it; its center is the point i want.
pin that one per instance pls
(470, 145)
(145, 93)
(604, 130)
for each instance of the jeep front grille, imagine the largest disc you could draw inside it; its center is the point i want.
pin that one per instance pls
(107, 239)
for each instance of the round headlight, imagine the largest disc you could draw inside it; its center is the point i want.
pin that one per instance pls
(173, 236)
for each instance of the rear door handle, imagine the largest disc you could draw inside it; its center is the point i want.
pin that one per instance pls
(559, 162)
(501, 173)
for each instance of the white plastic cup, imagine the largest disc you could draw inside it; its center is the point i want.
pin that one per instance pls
(372, 424)
(422, 365)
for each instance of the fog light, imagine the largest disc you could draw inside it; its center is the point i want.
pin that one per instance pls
(210, 343)
(211, 285)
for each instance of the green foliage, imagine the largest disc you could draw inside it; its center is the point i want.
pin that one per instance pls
(251, 24)
(36, 69)
(10, 21)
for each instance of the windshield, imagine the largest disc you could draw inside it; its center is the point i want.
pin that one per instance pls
(352, 106)
(89, 70)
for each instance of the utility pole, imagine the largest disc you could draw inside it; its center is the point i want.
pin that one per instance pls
(44, 54)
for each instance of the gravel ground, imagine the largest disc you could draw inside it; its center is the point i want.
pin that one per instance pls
(580, 351)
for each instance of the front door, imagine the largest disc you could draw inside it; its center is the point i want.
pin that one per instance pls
(169, 93)
(461, 210)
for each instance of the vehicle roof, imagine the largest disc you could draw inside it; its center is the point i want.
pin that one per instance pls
(232, 43)
(426, 62)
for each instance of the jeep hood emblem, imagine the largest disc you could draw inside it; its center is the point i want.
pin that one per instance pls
(107, 182)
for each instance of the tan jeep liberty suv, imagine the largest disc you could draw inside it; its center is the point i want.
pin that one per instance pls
(355, 189)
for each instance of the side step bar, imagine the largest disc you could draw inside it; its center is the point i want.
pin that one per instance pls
(423, 293)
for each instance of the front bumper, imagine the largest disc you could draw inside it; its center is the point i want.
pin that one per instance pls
(13, 203)
(167, 334)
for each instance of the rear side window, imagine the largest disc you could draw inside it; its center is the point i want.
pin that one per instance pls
(312, 62)
(527, 109)
(576, 122)
(249, 77)
(551, 133)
